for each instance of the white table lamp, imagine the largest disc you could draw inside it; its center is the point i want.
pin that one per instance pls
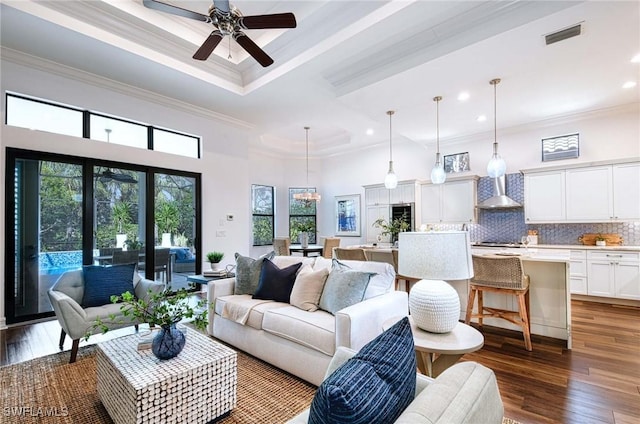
(435, 256)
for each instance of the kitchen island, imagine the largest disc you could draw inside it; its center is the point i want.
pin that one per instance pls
(549, 287)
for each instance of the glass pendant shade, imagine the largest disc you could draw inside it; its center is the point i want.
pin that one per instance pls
(391, 180)
(496, 167)
(438, 176)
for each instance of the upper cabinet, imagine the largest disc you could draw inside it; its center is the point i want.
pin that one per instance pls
(583, 194)
(404, 193)
(453, 202)
(544, 197)
(376, 195)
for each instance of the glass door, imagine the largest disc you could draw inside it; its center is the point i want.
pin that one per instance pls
(47, 212)
(175, 228)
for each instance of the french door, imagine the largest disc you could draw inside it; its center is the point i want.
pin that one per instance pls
(64, 212)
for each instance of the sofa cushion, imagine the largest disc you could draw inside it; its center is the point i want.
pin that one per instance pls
(276, 283)
(382, 282)
(344, 287)
(102, 282)
(248, 273)
(315, 330)
(307, 288)
(285, 261)
(374, 386)
(256, 307)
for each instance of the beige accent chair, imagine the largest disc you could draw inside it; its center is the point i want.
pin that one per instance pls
(502, 275)
(66, 298)
(329, 244)
(281, 246)
(465, 393)
(351, 254)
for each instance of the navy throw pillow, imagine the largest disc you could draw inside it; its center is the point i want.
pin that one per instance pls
(374, 386)
(101, 282)
(275, 283)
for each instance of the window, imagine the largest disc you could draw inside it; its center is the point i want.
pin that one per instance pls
(42, 115)
(302, 216)
(117, 131)
(178, 144)
(39, 115)
(263, 214)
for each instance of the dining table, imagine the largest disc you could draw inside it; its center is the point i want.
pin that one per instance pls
(312, 248)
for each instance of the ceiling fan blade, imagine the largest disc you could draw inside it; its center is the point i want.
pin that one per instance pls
(208, 46)
(175, 10)
(277, 20)
(252, 48)
(221, 5)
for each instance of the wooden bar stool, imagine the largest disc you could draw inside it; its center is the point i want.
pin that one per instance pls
(503, 275)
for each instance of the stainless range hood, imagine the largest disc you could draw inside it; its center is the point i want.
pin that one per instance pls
(499, 200)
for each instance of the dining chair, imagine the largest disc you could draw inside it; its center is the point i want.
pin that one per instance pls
(125, 257)
(329, 244)
(407, 280)
(161, 260)
(106, 252)
(502, 275)
(281, 246)
(352, 254)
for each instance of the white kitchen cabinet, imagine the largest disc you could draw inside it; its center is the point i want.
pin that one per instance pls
(376, 195)
(544, 197)
(452, 202)
(602, 193)
(403, 193)
(614, 274)
(373, 213)
(589, 194)
(626, 194)
(578, 271)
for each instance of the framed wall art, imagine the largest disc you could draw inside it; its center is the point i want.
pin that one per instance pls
(348, 215)
(458, 162)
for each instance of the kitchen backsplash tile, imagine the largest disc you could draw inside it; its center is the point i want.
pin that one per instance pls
(508, 225)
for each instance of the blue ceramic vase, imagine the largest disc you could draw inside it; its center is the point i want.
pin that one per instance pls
(168, 343)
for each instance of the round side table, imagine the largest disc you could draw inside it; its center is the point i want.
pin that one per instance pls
(437, 352)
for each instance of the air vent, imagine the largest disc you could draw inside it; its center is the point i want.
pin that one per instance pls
(563, 34)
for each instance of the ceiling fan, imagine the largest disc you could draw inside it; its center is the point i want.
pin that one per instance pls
(108, 175)
(228, 21)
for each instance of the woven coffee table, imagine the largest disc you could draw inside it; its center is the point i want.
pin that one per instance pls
(197, 386)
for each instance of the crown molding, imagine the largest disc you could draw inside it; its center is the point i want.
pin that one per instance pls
(75, 74)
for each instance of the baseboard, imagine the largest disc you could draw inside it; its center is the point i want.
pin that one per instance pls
(609, 300)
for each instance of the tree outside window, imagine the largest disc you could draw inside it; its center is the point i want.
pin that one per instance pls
(263, 214)
(302, 216)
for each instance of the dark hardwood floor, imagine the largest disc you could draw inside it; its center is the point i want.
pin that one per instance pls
(598, 381)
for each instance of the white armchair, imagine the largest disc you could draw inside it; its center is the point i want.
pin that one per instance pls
(66, 298)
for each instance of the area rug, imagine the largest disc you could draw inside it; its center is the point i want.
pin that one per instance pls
(50, 390)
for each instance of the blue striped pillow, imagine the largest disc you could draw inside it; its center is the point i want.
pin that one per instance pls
(101, 282)
(374, 386)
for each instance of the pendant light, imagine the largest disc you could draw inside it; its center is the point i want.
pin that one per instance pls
(308, 196)
(390, 180)
(438, 176)
(496, 166)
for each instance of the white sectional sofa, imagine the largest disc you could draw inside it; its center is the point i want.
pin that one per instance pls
(302, 342)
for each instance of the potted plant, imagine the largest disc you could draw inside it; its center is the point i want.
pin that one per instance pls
(303, 229)
(214, 258)
(392, 228)
(167, 219)
(600, 240)
(133, 243)
(163, 309)
(121, 216)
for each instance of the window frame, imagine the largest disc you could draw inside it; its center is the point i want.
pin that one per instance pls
(255, 215)
(293, 233)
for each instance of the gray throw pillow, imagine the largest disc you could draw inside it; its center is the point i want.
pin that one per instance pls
(248, 273)
(344, 287)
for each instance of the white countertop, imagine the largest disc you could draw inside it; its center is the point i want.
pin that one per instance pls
(566, 246)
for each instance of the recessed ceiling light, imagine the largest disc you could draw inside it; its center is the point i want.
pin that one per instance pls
(481, 118)
(636, 58)
(463, 96)
(370, 131)
(629, 84)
